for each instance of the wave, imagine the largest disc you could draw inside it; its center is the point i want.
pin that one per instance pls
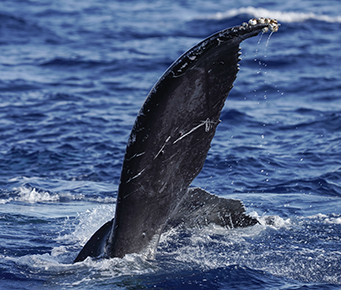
(327, 219)
(75, 62)
(28, 194)
(283, 16)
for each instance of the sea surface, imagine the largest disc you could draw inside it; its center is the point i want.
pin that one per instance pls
(73, 76)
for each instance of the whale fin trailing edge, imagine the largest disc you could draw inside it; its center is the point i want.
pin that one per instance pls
(200, 208)
(169, 143)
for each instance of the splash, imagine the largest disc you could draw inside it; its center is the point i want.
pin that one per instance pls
(87, 223)
(33, 195)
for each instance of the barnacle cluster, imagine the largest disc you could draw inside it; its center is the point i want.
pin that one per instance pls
(272, 24)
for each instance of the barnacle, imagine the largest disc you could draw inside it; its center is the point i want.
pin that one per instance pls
(272, 24)
(261, 20)
(253, 21)
(273, 27)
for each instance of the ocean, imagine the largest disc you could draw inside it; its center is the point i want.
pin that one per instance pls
(73, 77)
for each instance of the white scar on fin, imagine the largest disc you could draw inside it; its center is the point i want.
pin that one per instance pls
(163, 146)
(136, 176)
(136, 155)
(208, 126)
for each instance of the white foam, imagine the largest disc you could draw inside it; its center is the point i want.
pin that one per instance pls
(4, 201)
(89, 269)
(31, 195)
(329, 219)
(89, 222)
(282, 16)
(334, 220)
(131, 264)
(57, 251)
(34, 195)
(273, 221)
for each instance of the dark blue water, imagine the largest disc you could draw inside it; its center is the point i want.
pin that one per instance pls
(73, 75)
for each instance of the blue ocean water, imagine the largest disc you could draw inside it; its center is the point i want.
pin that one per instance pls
(73, 77)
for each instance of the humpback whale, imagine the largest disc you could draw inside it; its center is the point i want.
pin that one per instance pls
(167, 148)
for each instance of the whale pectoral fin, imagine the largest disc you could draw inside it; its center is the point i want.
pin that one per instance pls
(200, 208)
(168, 146)
(96, 245)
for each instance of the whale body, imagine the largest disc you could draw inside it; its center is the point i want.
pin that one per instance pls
(167, 149)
